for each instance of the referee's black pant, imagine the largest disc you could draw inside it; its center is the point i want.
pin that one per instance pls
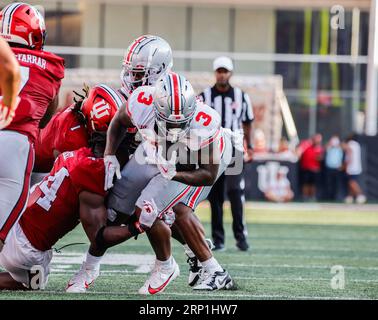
(234, 184)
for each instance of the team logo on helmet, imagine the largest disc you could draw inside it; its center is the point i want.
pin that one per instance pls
(23, 24)
(100, 107)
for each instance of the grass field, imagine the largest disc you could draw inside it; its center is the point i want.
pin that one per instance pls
(293, 251)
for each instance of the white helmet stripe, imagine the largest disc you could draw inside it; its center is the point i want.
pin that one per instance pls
(116, 98)
(5, 21)
(7, 18)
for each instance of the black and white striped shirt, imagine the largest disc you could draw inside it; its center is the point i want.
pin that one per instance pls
(234, 106)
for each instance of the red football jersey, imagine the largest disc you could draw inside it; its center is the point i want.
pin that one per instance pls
(54, 208)
(63, 133)
(41, 75)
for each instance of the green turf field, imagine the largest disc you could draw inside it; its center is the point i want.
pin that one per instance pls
(293, 251)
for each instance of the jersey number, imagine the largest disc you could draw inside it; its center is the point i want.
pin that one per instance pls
(24, 77)
(205, 116)
(50, 192)
(24, 71)
(144, 100)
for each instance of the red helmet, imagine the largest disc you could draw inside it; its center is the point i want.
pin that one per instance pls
(100, 107)
(23, 24)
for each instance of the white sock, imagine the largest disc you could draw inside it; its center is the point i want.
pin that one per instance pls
(188, 251)
(167, 264)
(92, 262)
(212, 265)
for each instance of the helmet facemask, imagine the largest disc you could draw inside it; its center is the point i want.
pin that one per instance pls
(174, 105)
(171, 129)
(146, 59)
(133, 78)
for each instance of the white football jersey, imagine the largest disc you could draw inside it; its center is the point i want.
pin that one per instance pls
(205, 127)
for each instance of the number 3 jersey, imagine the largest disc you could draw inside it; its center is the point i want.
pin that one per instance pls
(41, 75)
(53, 208)
(204, 128)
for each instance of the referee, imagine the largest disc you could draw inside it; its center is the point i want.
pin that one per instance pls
(235, 109)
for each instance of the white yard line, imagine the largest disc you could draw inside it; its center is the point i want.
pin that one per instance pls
(302, 206)
(126, 273)
(312, 256)
(300, 266)
(59, 267)
(217, 295)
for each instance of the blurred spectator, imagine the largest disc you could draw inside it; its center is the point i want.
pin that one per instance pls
(259, 141)
(353, 169)
(333, 165)
(311, 154)
(285, 153)
(280, 189)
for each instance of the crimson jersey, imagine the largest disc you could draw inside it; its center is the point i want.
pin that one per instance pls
(53, 206)
(41, 75)
(63, 133)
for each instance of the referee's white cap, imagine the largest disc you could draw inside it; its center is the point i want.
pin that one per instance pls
(223, 62)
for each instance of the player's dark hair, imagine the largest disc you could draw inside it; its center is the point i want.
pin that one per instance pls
(97, 143)
(78, 101)
(76, 110)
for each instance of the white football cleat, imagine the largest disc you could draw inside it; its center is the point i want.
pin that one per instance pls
(194, 270)
(216, 281)
(82, 279)
(195, 266)
(159, 279)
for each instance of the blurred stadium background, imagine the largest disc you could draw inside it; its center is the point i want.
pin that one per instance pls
(304, 63)
(309, 66)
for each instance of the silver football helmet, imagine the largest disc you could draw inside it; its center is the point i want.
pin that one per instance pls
(146, 59)
(174, 105)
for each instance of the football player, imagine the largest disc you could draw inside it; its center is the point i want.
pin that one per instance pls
(169, 112)
(72, 192)
(71, 128)
(146, 59)
(23, 27)
(9, 84)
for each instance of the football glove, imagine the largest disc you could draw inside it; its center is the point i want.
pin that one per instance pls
(112, 168)
(148, 214)
(167, 168)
